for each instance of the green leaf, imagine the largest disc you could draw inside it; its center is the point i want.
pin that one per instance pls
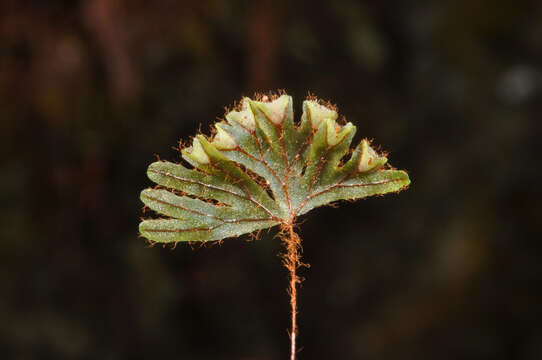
(261, 169)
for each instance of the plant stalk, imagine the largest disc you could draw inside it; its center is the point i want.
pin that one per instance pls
(292, 262)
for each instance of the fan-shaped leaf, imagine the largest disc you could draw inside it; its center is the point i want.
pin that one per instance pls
(261, 169)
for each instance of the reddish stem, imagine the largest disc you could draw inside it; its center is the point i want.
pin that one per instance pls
(292, 262)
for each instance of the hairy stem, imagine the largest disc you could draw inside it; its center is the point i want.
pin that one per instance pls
(292, 261)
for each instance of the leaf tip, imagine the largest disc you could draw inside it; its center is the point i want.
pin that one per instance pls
(196, 152)
(223, 140)
(318, 112)
(244, 116)
(274, 110)
(369, 158)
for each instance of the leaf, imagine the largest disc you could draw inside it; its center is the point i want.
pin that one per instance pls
(260, 169)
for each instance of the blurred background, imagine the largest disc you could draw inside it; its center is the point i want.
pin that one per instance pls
(93, 91)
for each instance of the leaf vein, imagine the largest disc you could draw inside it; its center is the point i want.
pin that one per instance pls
(247, 192)
(196, 182)
(340, 184)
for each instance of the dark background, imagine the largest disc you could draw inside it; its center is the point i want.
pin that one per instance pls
(91, 91)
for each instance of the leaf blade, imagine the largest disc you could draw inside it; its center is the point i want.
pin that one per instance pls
(260, 170)
(358, 187)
